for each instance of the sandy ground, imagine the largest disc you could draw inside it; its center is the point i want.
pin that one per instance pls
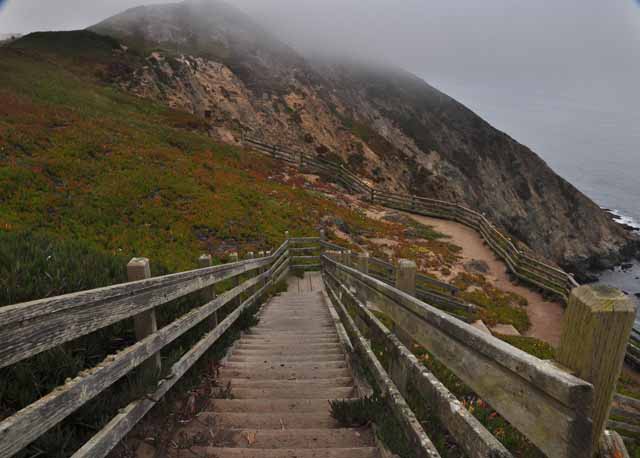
(546, 317)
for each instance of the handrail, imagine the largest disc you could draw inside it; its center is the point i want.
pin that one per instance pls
(548, 405)
(526, 268)
(30, 328)
(413, 380)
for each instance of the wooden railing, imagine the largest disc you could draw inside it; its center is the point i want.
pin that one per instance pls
(437, 293)
(522, 265)
(30, 328)
(563, 415)
(528, 269)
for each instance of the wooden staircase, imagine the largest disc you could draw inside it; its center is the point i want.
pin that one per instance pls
(282, 375)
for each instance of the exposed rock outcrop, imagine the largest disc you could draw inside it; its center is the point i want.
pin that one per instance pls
(208, 58)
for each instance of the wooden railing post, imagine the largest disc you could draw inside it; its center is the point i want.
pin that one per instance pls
(362, 264)
(346, 258)
(144, 323)
(208, 293)
(594, 340)
(233, 257)
(406, 276)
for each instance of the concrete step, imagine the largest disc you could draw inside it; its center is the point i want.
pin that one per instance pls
(301, 349)
(294, 357)
(284, 374)
(294, 438)
(271, 405)
(277, 338)
(293, 392)
(294, 365)
(289, 354)
(258, 332)
(359, 452)
(248, 383)
(281, 420)
(301, 325)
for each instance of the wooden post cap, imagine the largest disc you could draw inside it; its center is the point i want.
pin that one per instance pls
(205, 260)
(594, 341)
(138, 269)
(406, 276)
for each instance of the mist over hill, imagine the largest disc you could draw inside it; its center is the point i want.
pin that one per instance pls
(383, 122)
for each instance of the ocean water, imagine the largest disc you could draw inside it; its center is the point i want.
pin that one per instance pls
(592, 141)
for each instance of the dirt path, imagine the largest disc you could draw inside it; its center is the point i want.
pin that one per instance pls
(546, 317)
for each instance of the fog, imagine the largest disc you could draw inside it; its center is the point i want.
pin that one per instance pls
(558, 76)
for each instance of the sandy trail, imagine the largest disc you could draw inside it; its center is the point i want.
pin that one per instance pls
(546, 317)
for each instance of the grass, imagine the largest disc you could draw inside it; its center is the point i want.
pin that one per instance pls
(373, 410)
(531, 345)
(495, 306)
(90, 177)
(510, 437)
(82, 160)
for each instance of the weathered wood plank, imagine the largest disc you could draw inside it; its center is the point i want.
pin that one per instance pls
(468, 432)
(421, 443)
(548, 405)
(626, 401)
(103, 442)
(34, 420)
(30, 328)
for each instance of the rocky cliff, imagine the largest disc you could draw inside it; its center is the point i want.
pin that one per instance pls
(388, 125)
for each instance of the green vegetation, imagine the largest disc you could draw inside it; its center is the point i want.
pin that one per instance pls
(495, 306)
(510, 437)
(90, 177)
(373, 409)
(531, 345)
(34, 266)
(82, 160)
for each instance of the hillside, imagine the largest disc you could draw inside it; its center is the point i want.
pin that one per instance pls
(80, 159)
(209, 59)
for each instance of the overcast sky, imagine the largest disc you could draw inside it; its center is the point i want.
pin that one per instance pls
(560, 76)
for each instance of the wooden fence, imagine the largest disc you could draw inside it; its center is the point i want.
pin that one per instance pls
(520, 264)
(33, 327)
(528, 269)
(551, 407)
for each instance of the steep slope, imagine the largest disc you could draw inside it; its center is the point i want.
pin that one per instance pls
(80, 159)
(207, 58)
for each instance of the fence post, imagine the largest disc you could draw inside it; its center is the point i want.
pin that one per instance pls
(406, 276)
(208, 293)
(346, 258)
(594, 340)
(373, 195)
(362, 265)
(144, 323)
(235, 281)
(362, 262)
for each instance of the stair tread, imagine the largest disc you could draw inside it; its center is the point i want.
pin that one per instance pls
(351, 452)
(294, 438)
